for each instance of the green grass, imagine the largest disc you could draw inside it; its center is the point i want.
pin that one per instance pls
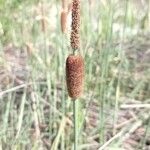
(107, 28)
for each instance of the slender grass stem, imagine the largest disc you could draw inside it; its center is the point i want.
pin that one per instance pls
(75, 119)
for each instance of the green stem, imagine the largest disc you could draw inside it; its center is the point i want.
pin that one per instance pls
(75, 124)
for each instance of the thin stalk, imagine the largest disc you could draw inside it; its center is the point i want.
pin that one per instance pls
(75, 119)
(63, 142)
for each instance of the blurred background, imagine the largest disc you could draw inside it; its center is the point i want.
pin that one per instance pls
(35, 110)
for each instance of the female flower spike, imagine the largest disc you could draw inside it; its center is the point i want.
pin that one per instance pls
(74, 75)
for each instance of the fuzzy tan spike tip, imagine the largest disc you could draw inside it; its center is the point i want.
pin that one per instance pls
(75, 75)
(75, 33)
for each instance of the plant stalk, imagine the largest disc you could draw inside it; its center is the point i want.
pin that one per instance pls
(75, 119)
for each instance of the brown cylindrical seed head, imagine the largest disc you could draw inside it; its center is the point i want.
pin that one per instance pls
(75, 75)
(75, 34)
(64, 15)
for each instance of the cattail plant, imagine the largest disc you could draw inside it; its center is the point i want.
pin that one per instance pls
(66, 8)
(64, 15)
(74, 62)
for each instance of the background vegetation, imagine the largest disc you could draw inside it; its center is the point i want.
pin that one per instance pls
(35, 110)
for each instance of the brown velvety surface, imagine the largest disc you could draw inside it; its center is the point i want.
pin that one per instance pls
(75, 75)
